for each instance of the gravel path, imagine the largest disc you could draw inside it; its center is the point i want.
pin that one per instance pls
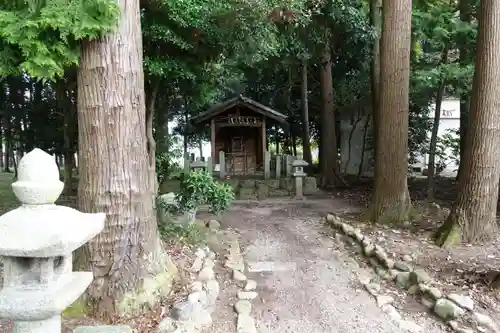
(312, 288)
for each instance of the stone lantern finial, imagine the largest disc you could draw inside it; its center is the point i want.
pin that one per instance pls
(38, 179)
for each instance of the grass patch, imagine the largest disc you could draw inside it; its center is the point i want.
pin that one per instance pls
(193, 234)
(8, 200)
(76, 310)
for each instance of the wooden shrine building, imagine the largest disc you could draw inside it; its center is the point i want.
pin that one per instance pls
(238, 127)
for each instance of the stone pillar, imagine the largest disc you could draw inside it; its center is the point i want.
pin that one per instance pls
(222, 165)
(198, 165)
(210, 165)
(299, 174)
(278, 166)
(267, 165)
(34, 295)
(289, 168)
(187, 162)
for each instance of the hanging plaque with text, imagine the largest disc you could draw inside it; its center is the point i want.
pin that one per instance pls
(243, 120)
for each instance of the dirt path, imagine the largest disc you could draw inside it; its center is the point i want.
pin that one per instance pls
(304, 284)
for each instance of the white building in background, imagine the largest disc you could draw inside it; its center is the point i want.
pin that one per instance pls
(450, 120)
(355, 157)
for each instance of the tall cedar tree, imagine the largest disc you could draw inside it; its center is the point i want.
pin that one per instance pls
(473, 216)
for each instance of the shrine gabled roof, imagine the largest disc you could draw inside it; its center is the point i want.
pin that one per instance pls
(239, 101)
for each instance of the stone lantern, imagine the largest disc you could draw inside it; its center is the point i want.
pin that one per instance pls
(36, 244)
(298, 172)
(198, 165)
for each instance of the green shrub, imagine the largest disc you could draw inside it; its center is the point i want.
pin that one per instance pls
(199, 188)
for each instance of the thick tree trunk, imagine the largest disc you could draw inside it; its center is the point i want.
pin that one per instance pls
(466, 16)
(473, 216)
(330, 176)
(306, 145)
(376, 21)
(127, 258)
(391, 199)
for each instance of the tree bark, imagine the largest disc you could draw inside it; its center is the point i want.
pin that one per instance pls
(391, 199)
(127, 256)
(306, 144)
(329, 154)
(473, 216)
(431, 167)
(466, 16)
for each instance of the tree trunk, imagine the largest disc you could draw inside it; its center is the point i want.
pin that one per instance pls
(277, 141)
(329, 154)
(200, 148)
(431, 168)
(473, 216)
(3, 110)
(162, 139)
(294, 144)
(186, 119)
(151, 142)
(306, 144)
(127, 258)
(391, 199)
(466, 16)
(8, 141)
(376, 21)
(68, 109)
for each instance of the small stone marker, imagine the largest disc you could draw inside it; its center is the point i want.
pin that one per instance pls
(298, 172)
(222, 164)
(267, 165)
(210, 165)
(278, 166)
(187, 162)
(36, 242)
(288, 163)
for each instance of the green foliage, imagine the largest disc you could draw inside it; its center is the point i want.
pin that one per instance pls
(448, 147)
(166, 162)
(199, 188)
(41, 38)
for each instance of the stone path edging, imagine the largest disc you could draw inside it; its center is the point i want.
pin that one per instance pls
(245, 323)
(416, 280)
(193, 315)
